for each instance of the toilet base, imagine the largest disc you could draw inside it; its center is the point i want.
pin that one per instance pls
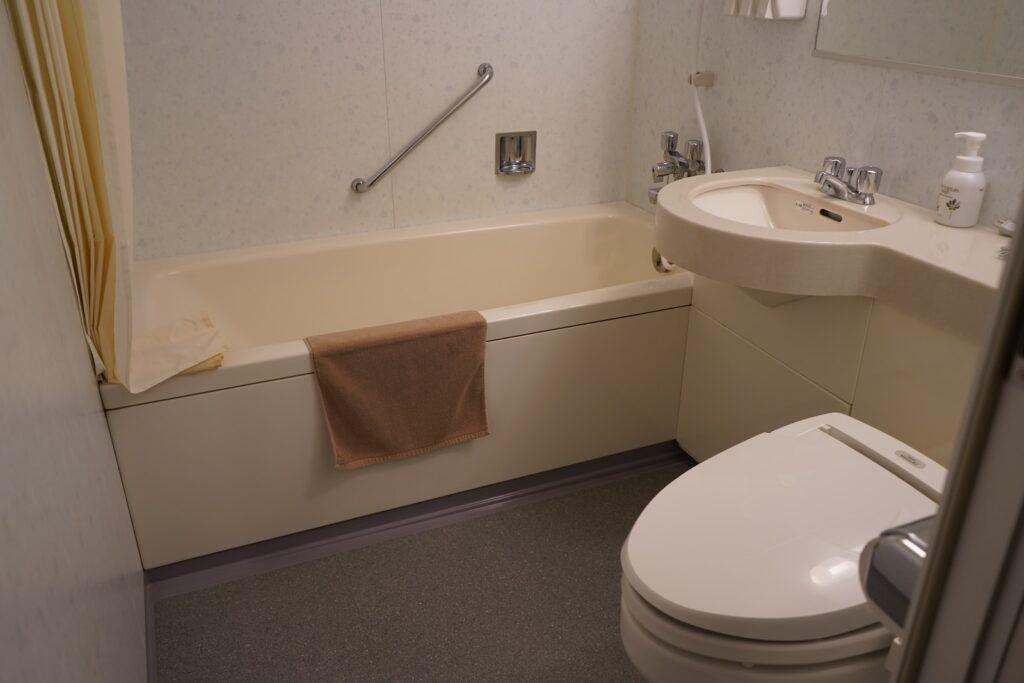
(661, 662)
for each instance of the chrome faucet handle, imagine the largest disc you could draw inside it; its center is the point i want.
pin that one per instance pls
(693, 151)
(669, 140)
(832, 166)
(849, 174)
(869, 179)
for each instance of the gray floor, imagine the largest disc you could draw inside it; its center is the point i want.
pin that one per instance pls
(527, 594)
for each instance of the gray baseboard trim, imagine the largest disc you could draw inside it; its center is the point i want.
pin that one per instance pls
(228, 565)
(149, 607)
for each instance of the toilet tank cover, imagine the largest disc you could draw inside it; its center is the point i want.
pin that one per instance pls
(762, 540)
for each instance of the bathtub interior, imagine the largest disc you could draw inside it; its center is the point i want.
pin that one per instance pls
(269, 295)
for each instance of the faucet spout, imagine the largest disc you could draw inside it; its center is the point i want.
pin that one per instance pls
(834, 187)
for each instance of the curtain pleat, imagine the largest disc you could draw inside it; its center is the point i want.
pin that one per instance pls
(101, 239)
(81, 112)
(65, 118)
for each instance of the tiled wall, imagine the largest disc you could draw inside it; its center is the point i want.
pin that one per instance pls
(776, 103)
(71, 600)
(251, 117)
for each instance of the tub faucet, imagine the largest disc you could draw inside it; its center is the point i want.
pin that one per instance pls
(675, 164)
(849, 183)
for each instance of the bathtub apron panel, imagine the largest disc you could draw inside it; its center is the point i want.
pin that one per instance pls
(224, 468)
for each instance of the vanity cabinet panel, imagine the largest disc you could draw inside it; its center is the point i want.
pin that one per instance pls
(819, 337)
(915, 380)
(733, 390)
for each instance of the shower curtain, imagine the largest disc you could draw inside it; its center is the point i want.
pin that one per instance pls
(73, 55)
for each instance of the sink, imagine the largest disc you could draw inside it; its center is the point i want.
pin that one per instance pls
(780, 208)
(772, 229)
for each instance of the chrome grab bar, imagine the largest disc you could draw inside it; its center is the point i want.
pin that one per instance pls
(485, 72)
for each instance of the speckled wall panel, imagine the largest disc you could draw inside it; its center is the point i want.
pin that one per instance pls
(250, 118)
(666, 54)
(775, 103)
(71, 604)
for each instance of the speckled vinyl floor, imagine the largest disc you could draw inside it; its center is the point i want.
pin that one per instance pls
(530, 593)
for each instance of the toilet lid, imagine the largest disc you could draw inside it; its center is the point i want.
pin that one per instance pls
(762, 541)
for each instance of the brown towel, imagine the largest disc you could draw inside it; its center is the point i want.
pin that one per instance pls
(398, 390)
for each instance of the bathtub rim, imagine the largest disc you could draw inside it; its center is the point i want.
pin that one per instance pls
(147, 269)
(255, 364)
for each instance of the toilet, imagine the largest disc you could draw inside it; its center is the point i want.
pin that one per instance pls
(745, 568)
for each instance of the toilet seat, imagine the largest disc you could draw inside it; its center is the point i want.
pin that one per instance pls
(761, 542)
(660, 662)
(715, 646)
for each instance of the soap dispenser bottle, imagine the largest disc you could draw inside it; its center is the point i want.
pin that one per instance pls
(963, 188)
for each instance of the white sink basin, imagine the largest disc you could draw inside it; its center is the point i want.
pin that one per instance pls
(780, 208)
(773, 230)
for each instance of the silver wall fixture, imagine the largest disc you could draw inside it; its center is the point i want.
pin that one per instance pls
(515, 153)
(484, 72)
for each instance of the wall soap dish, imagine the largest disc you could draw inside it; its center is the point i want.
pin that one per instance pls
(515, 153)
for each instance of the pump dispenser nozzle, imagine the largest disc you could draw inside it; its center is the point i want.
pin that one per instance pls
(971, 143)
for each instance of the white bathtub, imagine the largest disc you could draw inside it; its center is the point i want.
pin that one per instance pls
(585, 345)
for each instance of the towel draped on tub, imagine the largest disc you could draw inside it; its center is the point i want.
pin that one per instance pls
(398, 390)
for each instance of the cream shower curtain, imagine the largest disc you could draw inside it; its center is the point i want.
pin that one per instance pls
(73, 55)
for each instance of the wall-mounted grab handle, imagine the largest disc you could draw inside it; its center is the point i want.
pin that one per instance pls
(485, 72)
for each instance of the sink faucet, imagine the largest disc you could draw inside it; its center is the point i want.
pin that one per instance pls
(849, 183)
(676, 164)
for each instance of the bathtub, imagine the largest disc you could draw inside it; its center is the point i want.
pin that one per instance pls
(584, 357)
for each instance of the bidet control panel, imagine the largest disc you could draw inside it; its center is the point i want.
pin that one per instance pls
(891, 566)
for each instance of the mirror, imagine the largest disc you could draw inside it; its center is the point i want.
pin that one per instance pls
(970, 38)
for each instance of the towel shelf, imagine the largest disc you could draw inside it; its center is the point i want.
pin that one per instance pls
(485, 72)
